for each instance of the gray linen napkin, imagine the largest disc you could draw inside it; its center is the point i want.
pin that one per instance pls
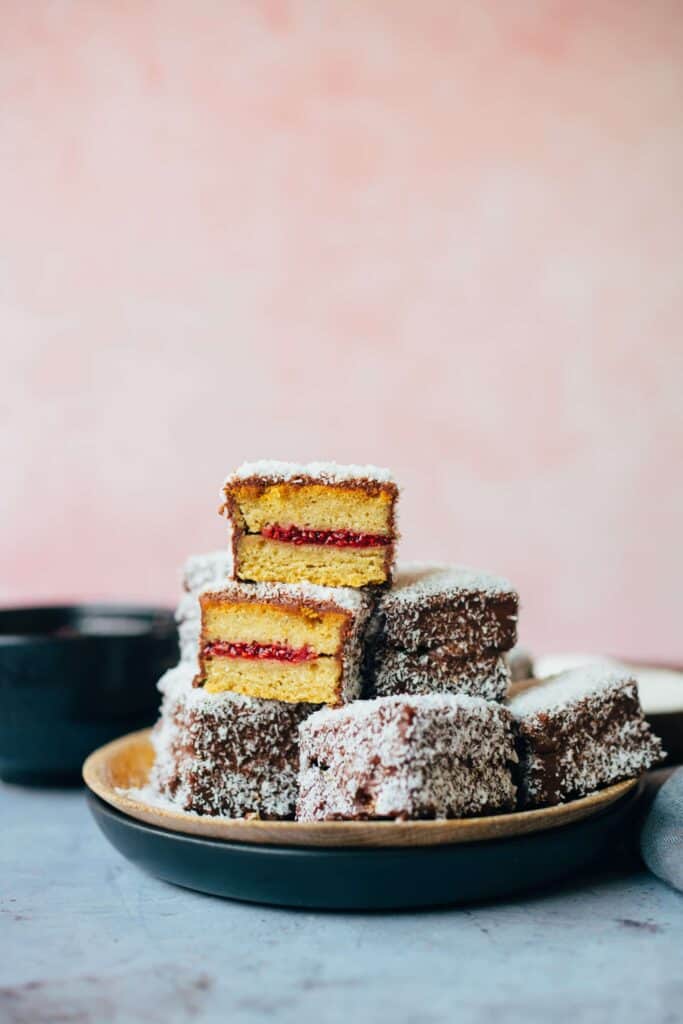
(661, 839)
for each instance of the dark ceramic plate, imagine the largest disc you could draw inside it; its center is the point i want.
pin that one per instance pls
(379, 878)
(72, 678)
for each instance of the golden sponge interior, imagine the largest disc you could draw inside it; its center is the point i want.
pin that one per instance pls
(314, 507)
(314, 682)
(263, 560)
(255, 622)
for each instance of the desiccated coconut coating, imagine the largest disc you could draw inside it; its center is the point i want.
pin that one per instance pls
(189, 622)
(580, 731)
(437, 670)
(293, 594)
(431, 605)
(436, 756)
(294, 472)
(210, 567)
(225, 754)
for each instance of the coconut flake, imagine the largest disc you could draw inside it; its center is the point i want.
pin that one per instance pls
(325, 472)
(416, 581)
(565, 690)
(343, 597)
(209, 567)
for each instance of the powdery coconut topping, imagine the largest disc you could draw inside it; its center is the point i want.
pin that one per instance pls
(564, 690)
(293, 472)
(414, 582)
(188, 617)
(365, 709)
(177, 683)
(344, 597)
(211, 567)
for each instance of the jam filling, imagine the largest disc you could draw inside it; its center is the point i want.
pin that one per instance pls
(259, 652)
(325, 538)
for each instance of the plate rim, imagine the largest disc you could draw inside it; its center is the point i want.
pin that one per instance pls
(336, 834)
(98, 806)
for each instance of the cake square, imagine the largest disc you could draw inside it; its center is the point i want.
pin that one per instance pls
(282, 641)
(225, 754)
(579, 731)
(442, 629)
(434, 756)
(318, 522)
(470, 611)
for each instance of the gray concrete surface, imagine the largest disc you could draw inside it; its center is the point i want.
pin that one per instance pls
(86, 938)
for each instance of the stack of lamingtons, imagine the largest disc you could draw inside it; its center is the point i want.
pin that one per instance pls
(315, 683)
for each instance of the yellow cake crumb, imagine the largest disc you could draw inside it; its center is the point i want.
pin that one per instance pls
(262, 560)
(314, 507)
(311, 682)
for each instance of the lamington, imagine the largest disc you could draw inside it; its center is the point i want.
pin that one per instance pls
(319, 522)
(579, 731)
(442, 628)
(277, 641)
(433, 756)
(198, 571)
(225, 754)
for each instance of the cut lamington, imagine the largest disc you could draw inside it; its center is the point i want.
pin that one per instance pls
(579, 731)
(198, 571)
(279, 641)
(443, 628)
(225, 754)
(436, 756)
(323, 523)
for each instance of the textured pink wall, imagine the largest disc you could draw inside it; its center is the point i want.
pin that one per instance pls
(444, 237)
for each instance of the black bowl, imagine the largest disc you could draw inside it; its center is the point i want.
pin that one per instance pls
(74, 677)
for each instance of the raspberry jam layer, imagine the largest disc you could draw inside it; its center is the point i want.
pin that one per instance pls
(259, 652)
(325, 538)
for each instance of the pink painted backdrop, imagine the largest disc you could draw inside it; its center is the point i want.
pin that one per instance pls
(443, 237)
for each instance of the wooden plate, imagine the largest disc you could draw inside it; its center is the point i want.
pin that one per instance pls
(126, 763)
